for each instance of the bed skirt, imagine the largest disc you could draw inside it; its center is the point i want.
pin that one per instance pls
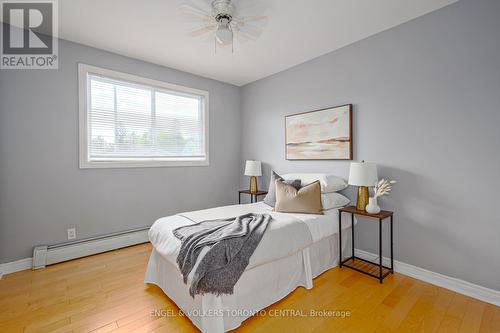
(257, 288)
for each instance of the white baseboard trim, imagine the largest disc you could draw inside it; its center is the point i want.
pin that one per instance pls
(15, 266)
(460, 286)
(48, 255)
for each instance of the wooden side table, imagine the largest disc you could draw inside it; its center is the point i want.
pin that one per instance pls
(361, 265)
(252, 195)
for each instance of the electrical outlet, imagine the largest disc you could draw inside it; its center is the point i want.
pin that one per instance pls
(72, 233)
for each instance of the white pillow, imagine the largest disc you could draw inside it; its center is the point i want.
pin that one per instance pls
(333, 200)
(329, 183)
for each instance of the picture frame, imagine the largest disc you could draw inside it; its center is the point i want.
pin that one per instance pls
(324, 134)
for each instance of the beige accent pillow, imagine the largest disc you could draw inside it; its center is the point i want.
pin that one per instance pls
(306, 200)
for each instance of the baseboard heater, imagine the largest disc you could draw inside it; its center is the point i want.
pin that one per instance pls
(51, 254)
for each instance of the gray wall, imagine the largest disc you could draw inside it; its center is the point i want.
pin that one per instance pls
(426, 101)
(42, 190)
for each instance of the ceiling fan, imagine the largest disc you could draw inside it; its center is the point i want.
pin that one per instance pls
(225, 20)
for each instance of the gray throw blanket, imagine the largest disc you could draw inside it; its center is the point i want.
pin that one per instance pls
(231, 243)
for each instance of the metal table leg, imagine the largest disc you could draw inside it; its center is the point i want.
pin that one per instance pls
(340, 239)
(392, 251)
(352, 234)
(380, 249)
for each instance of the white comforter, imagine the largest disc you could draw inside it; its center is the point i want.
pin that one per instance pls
(286, 234)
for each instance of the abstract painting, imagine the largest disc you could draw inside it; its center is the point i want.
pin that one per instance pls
(320, 135)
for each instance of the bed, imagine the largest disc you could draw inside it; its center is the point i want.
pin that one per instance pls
(295, 249)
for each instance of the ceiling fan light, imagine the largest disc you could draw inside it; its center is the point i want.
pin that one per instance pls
(224, 35)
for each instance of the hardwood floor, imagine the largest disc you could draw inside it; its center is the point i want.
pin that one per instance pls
(106, 293)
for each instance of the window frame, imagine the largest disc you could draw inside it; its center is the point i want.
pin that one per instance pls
(83, 92)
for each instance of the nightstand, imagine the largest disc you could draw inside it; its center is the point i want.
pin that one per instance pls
(252, 195)
(376, 270)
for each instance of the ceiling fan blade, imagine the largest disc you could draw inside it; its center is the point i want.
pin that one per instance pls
(260, 19)
(202, 31)
(243, 38)
(192, 11)
(250, 30)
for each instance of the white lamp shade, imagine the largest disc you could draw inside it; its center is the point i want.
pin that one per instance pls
(253, 168)
(363, 174)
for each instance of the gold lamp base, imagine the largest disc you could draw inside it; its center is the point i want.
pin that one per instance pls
(253, 184)
(362, 199)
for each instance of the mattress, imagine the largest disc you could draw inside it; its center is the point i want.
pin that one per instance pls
(286, 234)
(288, 261)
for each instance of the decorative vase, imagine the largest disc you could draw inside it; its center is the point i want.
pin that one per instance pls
(372, 206)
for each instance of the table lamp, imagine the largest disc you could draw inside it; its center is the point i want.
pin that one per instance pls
(362, 174)
(254, 170)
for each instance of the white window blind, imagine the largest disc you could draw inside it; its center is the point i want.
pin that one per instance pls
(140, 124)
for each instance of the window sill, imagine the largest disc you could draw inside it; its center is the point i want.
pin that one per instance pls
(142, 164)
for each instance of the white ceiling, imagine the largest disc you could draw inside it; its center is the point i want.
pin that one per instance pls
(297, 31)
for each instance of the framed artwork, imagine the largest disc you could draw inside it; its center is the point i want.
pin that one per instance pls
(319, 135)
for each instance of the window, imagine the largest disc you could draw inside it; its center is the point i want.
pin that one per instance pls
(129, 121)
